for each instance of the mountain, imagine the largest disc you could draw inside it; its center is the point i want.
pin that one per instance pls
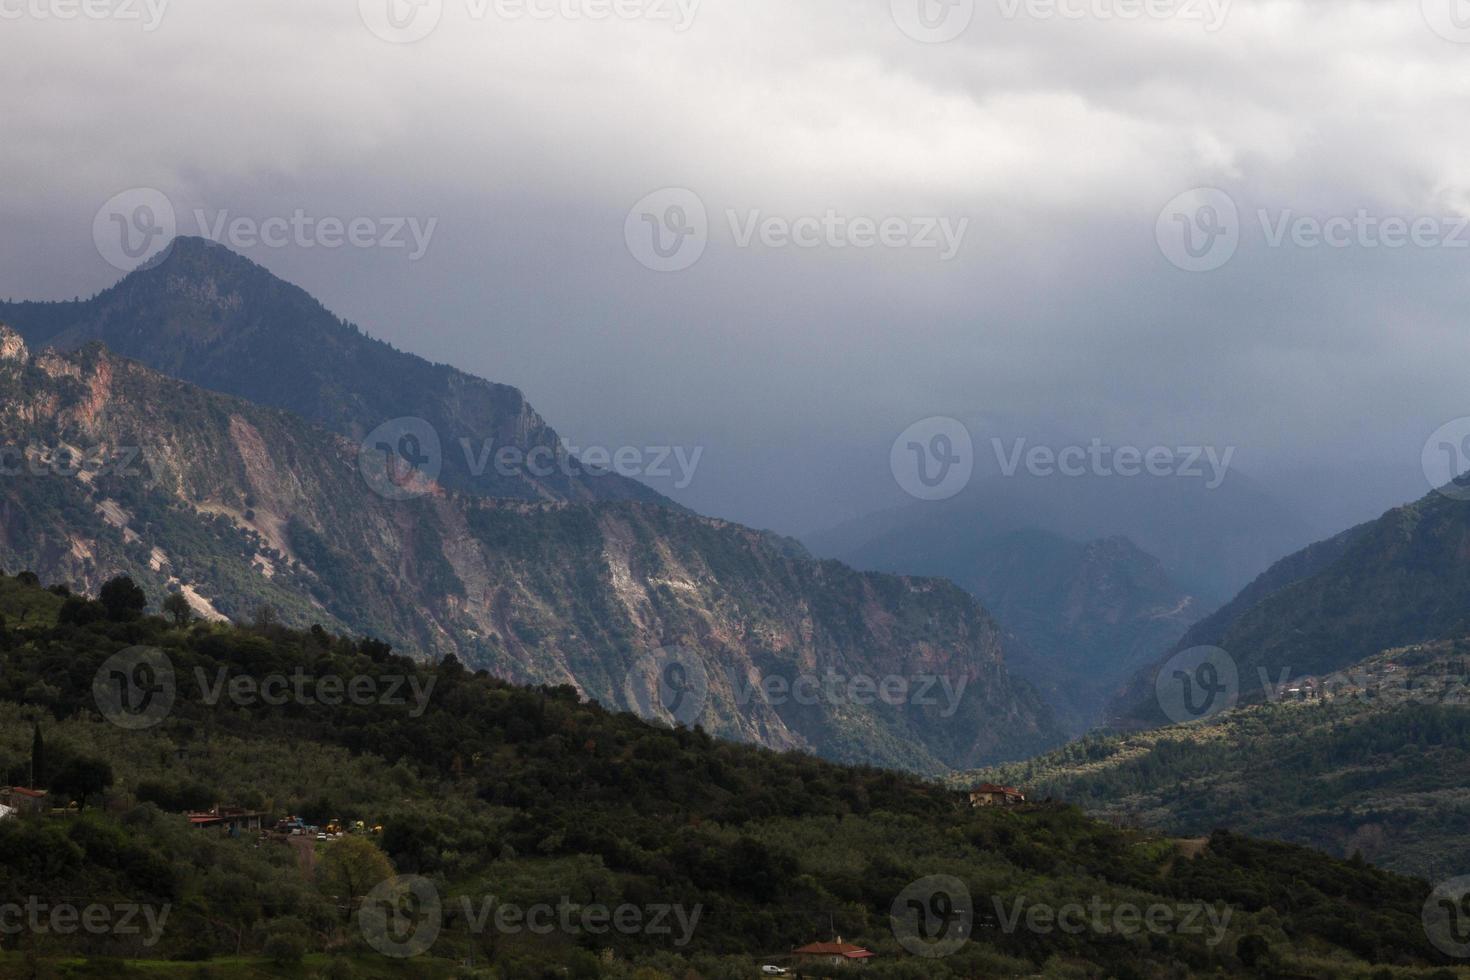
(1088, 615)
(1376, 762)
(204, 314)
(498, 831)
(1400, 580)
(1211, 540)
(117, 468)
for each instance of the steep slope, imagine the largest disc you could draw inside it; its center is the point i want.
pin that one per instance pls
(115, 468)
(1088, 615)
(1376, 762)
(1399, 580)
(201, 313)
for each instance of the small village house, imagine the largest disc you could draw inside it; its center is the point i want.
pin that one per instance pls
(990, 794)
(1308, 690)
(23, 800)
(836, 953)
(231, 820)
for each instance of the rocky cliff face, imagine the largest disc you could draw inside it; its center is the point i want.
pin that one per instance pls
(111, 467)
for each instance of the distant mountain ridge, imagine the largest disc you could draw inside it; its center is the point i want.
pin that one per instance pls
(1400, 580)
(1211, 542)
(206, 315)
(115, 468)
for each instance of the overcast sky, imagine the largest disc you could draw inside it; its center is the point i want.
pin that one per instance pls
(1051, 139)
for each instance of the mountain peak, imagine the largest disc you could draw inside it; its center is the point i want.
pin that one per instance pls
(205, 314)
(193, 251)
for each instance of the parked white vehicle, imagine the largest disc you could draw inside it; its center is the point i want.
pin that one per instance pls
(773, 971)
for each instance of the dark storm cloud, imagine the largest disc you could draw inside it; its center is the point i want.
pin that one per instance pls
(1057, 138)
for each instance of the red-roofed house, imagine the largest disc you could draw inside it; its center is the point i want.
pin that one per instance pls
(229, 819)
(838, 953)
(989, 794)
(24, 800)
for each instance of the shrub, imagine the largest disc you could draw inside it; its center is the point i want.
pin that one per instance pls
(285, 949)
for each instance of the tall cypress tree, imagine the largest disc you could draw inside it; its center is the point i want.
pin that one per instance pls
(38, 757)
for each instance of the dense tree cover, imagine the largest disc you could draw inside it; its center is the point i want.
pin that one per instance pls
(1381, 767)
(1399, 580)
(527, 796)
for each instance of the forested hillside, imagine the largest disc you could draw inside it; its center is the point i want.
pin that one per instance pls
(529, 797)
(1373, 760)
